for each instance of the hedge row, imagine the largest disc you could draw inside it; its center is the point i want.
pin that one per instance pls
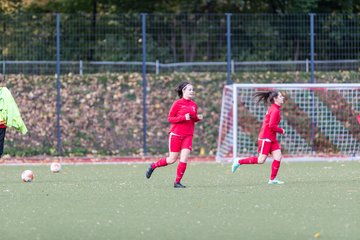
(102, 114)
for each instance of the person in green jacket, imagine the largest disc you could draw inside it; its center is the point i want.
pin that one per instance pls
(9, 114)
(2, 124)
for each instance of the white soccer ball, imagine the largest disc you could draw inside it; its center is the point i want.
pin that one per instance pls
(27, 176)
(55, 167)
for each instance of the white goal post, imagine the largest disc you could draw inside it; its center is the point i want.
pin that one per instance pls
(320, 121)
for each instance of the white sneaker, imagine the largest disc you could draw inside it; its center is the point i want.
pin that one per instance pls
(235, 165)
(275, 181)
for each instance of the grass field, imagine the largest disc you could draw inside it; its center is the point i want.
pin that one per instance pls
(319, 200)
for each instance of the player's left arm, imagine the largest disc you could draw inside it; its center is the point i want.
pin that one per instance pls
(274, 122)
(197, 117)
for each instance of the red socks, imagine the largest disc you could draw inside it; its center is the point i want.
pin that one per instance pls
(180, 171)
(274, 169)
(161, 163)
(249, 160)
(254, 160)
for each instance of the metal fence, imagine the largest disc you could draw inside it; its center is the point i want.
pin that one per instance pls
(183, 42)
(82, 44)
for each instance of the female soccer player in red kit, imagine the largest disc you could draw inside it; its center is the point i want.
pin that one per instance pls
(267, 142)
(182, 116)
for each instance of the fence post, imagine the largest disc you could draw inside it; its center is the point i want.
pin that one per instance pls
(81, 67)
(58, 84)
(312, 80)
(228, 36)
(312, 46)
(157, 67)
(143, 17)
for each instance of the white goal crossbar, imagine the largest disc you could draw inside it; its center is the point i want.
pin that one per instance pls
(320, 121)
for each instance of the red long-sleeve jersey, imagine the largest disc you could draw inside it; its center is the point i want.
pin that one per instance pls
(270, 124)
(179, 124)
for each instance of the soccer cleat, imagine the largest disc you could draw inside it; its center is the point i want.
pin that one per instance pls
(149, 171)
(179, 185)
(275, 181)
(235, 165)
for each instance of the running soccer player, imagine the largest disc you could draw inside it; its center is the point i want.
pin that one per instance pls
(267, 142)
(182, 116)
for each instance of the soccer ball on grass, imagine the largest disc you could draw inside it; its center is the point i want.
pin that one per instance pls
(27, 176)
(55, 167)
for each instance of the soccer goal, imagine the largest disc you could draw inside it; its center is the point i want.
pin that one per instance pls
(320, 121)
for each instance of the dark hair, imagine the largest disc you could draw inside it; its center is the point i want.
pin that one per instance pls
(266, 97)
(180, 88)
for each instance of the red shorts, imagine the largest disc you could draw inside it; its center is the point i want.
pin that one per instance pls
(265, 146)
(178, 142)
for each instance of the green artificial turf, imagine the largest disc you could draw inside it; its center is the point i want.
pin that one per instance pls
(319, 200)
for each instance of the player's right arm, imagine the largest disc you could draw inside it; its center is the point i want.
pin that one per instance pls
(173, 118)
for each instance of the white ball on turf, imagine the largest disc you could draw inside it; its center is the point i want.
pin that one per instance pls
(27, 176)
(55, 167)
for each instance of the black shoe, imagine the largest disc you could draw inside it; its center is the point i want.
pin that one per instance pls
(179, 185)
(149, 171)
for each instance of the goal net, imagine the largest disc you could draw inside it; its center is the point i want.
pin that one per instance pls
(320, 121)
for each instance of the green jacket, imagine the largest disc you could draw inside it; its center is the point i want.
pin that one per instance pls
(9, 111)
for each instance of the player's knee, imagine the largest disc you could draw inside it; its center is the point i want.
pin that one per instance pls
(261, 160)
(278, 157)
(171, 160)
(184, 160)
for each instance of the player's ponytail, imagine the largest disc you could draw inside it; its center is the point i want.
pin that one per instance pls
(266, 97)
(180, 88)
